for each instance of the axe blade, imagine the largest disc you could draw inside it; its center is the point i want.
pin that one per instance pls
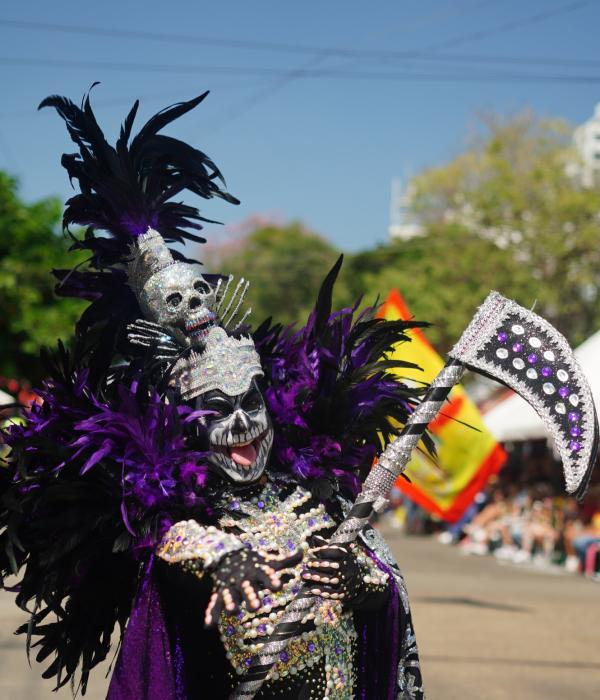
(522, 350)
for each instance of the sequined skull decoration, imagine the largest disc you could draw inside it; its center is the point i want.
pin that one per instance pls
(222, 381)
(239, 431)
(171, 294)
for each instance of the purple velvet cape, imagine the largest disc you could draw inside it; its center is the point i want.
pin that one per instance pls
(150, 665)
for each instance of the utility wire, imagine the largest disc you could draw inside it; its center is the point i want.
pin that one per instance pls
(300, 72)
(509, 26)
(330, 51)
(533, 60)
(307, 70)
(323, 55)
(261, 95)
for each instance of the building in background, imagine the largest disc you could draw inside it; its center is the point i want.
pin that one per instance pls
(402, 225)
(587, 142)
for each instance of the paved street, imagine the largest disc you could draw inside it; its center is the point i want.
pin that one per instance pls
(492, 632)
(486, 632)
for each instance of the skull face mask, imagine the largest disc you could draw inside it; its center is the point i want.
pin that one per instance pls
(171, 294)
(180, 299)
(239, 432)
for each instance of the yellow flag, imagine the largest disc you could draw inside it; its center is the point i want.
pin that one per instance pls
(465, 458)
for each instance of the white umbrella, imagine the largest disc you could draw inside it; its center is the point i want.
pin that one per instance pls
(513, 418)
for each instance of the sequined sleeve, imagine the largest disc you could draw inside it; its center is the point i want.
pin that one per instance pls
(196, 547)
(375, 583)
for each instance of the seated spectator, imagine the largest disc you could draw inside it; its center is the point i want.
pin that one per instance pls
(586, 537)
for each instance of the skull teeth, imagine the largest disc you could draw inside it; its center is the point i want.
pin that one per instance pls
(200, 323)
(239, 473)
(241, 440)
(242, 444)
(228, 440)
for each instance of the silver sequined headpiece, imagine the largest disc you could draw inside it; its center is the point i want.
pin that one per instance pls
(149, 255)
(175, 296)
(228, 364)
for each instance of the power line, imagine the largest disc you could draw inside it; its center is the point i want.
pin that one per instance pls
(307, 70)
(261, 95)
(136, 67)
(251, 45)
(242, 71)
(321, 56)
(327, 51)
(534, 60)
(444, 13)
(509, 26)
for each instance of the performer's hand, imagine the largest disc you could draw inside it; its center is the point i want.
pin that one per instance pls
(333, 572)
(240, 575)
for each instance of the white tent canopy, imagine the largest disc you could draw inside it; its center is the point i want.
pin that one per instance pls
(5, 398)
(514, 419)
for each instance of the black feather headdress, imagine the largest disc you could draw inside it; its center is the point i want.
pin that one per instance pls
(126, 188)
(123, 190)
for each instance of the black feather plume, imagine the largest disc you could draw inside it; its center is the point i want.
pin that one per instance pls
(126, 188)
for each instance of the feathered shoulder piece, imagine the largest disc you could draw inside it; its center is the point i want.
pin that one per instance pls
(334, 396)
(90, 481)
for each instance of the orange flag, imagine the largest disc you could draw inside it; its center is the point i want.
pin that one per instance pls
(466, 458)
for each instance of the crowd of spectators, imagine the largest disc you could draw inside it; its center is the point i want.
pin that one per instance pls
(531, 525)
(523, 516)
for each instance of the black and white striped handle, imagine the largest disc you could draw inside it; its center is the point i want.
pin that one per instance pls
(373, 498)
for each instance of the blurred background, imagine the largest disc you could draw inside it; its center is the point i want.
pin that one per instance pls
(446, 148)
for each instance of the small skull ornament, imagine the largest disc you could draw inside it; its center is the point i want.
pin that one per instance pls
(239, 431)
(181, 300)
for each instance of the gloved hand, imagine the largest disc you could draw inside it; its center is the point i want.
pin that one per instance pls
(238, 577)
(333, 572)
(346, 573)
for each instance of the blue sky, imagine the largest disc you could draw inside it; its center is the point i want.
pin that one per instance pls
(322, 147)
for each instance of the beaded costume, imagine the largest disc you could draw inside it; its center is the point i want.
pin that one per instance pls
(182, 469)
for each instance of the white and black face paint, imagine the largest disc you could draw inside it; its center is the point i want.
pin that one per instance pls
(239, 432)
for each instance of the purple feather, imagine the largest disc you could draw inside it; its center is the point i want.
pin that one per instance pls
(139, 445)
(333, 400)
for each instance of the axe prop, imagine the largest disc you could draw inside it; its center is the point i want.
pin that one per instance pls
(507, 343)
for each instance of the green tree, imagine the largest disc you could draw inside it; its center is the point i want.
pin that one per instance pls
(285, 266)
(30, 247)
(512, 191)
(443, 276)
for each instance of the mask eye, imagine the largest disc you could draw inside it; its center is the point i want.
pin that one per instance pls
(201, 287)
(220, 406)
(252, 401)
(173, 300)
